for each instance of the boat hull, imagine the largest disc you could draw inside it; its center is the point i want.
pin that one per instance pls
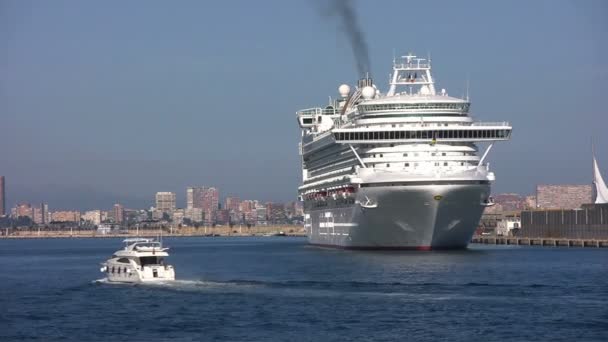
(422, 217)
(121, 273)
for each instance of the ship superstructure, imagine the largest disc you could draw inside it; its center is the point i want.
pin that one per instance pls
(395, 170)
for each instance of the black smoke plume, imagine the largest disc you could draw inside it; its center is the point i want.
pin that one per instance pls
(344, 10)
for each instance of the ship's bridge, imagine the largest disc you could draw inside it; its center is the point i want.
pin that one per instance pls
(414, 105)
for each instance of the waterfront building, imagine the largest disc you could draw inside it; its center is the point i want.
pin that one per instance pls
(165, 202)
(275, 212)
(194, 197)
(177, 216)
(23, 210)
(562, 196)
(206, 198)
(105, 216)
(41, 214)
(119, 213)
(508, 223)
(92, 216)
(506, 202)
(194, 214)
(222, 216)
(158, 215)
(248, 213)
(211, 198)
(510, 201)
(232, 204)
(133, 215)
(65, 216)
(2, 197)
(530, 202)
(261, 215)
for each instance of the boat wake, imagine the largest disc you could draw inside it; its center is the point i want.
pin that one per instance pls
(408, 291)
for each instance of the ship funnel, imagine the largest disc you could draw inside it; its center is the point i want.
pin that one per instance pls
(365, 82)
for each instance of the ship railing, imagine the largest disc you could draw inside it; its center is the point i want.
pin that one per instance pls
(316, 111)
(412, 66)
(494, 124)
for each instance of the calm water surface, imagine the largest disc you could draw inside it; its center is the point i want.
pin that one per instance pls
(277, 289)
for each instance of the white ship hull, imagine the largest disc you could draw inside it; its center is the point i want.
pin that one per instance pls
(395, 170)
(423, 217)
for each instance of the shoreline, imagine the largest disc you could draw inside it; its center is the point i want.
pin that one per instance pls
(176, 232)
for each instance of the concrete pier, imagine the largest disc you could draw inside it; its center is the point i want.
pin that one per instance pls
(543, 242)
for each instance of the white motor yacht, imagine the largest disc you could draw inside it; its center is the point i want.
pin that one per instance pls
(140, 261)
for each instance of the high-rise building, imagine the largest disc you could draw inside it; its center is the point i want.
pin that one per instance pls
(119, 213)
(232, 204)
(222, 216)
(275, 212)
(248, 212)
(165, 202)
(194, 197)
(41, 214)
(211, 199)
(261, 215)
(2, 197)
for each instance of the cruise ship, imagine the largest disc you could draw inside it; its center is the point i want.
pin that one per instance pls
(399, 170)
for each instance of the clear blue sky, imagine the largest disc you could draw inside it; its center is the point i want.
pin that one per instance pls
(111, 101)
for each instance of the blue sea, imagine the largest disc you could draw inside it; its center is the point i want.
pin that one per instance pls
(281, 289)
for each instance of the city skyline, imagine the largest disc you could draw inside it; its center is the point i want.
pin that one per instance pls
(208, 198)
(95, 114)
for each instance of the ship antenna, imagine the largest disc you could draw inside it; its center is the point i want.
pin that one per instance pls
(467, 87)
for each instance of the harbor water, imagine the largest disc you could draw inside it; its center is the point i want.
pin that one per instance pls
(280, 288)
